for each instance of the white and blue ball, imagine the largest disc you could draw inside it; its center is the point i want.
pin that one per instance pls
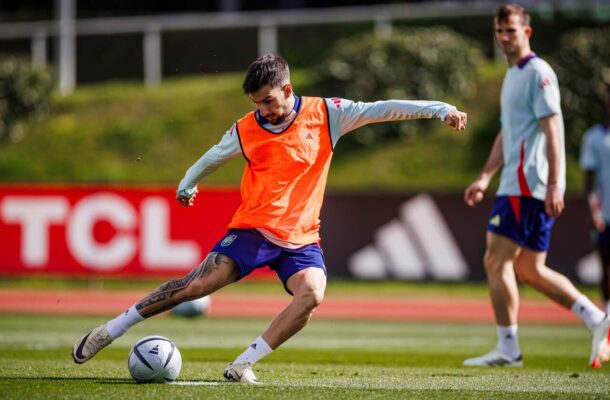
(154, 359)
(193, 308)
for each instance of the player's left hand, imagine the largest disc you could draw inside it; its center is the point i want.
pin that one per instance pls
(553, 203)
(457, 120)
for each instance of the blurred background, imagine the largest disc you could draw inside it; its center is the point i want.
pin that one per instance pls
(104, 105)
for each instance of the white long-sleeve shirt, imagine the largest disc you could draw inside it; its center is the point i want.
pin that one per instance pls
(344, 116)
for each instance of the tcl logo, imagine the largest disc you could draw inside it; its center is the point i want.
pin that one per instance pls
(141, 234)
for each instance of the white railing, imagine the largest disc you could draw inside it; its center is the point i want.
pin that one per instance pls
(266, 23)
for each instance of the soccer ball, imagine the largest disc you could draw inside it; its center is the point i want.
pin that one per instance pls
(193, 308)
(154, 359)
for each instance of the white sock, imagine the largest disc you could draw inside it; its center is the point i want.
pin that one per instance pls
(257, 350)
(118, 326)
(588, 312)
(508, 340)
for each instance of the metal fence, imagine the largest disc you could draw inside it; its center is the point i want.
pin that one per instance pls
(66, 29)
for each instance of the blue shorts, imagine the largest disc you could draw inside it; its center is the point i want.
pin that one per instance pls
(250, 250)
(523, 220)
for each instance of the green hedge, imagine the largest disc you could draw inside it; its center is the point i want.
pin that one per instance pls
(581, 62)
(25, 92)
(422, 64)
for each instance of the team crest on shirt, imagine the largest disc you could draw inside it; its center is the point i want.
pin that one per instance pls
(228, 240)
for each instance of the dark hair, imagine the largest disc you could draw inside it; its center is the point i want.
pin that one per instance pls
(269, 69)
(505, 11)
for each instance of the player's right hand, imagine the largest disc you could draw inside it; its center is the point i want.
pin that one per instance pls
(475, 192)
(186, 199)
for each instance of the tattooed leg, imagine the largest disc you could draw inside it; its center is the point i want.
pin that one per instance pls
(216, 271)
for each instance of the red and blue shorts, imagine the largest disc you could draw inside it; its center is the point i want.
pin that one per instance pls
(522, 219)
(251, 250)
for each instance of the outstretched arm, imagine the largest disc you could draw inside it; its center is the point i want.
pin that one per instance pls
(227, 149)
(346, 115)
(474, 193)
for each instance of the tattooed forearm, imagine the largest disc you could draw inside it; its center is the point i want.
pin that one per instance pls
(164, 297)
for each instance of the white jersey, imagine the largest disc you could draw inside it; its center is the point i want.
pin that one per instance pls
(595, 156)
(530, 92)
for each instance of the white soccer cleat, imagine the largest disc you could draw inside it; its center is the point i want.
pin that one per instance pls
(90, 344)
(600, 348)
(494, 358)
(241, 373)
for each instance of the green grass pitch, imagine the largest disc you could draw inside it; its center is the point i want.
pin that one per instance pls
(327, 360)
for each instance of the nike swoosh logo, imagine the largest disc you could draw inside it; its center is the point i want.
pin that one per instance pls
(79, 351)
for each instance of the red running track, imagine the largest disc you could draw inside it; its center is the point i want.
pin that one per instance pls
(231, 305)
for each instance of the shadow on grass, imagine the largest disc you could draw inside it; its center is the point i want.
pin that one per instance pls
(106, 381)
(69, 379)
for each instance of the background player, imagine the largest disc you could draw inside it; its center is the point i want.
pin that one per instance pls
(530, 146)
(595, 163)
(288, 145)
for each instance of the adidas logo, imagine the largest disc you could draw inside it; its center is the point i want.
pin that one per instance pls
(253, 345)
(416, 245)
(495, 220)
(154, 350)
(308, 137)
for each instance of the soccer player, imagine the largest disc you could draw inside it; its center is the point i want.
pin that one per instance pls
(287, 144)
(530, 147)
(595, 163)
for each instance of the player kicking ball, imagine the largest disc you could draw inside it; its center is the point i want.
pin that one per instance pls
(287, 144)
(530, 146)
